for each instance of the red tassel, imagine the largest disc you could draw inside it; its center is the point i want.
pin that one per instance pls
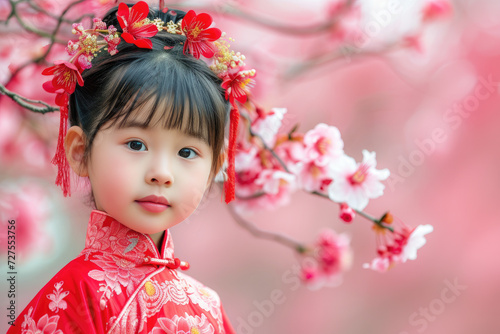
(231, 152)
(59, 159)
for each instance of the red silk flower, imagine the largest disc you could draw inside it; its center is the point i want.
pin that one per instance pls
(133, 23)
(199, 35)
(66, 75)
(235, 86)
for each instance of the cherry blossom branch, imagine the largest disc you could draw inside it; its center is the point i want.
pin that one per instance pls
(14, 13)
(56, 17)
(376, 221)
(343, 52)
(230, 10)
(51, 36)
(28, 103)
(263, 234)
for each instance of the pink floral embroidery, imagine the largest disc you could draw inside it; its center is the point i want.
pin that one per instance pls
(117, 273)
(152, 297)
(115, 238)
(57, 298)
(98, 235)
(183, 325)
(128, 321)
(206, 299)
(44, 325)
(176, 291)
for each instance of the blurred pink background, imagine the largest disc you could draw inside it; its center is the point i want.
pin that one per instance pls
(393, 103)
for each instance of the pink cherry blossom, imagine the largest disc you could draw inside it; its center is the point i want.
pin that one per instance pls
(331, 256)
(27, 205)
(248, 166)
(312, 177)
(272, 180)
(323, 144)
(266, 125)
(247, 157)
(398, 246)
(264, 201)
(291, 151)
(436, 10)
(356, 183)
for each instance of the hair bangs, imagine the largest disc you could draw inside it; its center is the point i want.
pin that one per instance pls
(174, 97)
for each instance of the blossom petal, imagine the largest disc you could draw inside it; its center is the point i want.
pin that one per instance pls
(139, 11)
(212, 34)
(144, 43)
(122, 13)
(148, 30)
(129, 38)
(49, 87)
(416, 241)
(188, 19)
(203, 20)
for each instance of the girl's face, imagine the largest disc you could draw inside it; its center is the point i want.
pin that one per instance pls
(149, 179)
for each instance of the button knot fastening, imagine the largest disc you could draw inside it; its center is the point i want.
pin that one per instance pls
(169, 263)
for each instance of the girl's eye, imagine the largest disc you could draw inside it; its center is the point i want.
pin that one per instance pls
(187, 153)
(136, 145)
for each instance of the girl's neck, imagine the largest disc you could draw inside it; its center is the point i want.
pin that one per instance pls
(158, 239)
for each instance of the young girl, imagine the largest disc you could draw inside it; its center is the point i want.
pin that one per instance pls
(148, 122)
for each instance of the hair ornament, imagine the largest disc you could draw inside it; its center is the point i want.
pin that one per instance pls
(202, 39)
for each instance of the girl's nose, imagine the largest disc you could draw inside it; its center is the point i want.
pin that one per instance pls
(160, 173)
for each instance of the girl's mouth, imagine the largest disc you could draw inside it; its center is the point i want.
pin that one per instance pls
(154, 203)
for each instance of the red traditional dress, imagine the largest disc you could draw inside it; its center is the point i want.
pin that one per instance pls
(121, 284)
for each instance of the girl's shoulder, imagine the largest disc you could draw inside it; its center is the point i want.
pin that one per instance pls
(68, 302)
(199, 288)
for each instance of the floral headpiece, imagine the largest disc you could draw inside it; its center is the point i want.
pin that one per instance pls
(201, 40)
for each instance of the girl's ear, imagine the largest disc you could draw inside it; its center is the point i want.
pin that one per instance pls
(74, 145)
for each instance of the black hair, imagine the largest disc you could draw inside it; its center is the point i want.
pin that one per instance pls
(183, 89)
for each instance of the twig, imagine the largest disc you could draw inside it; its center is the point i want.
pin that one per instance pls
(262, 234)
(28, 103)
(344, 51)
(227, 9)
(376, 221)
(43, 11)
(26, 27)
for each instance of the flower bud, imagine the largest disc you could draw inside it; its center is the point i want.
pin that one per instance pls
(346, 213)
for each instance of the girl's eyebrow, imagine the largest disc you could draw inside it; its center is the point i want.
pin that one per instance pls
(133, 124)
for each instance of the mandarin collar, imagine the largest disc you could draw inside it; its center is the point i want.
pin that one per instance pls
(106, 234)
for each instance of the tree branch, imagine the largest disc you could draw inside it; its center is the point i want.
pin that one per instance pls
(262, 234)
(28, 103)
(228, 9)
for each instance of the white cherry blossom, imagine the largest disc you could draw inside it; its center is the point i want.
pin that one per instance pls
(356, 183)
